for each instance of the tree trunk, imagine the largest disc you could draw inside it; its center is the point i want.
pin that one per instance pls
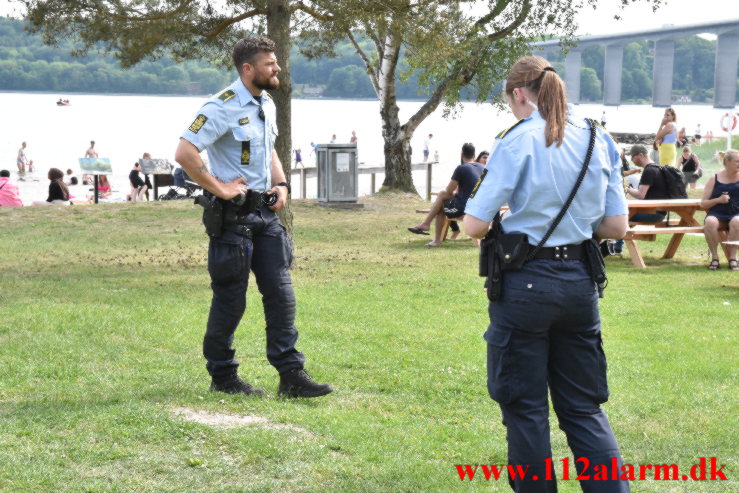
(398, 175)
(278, 30)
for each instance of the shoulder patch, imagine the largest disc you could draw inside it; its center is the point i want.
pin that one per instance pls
(244, 121)
(198, 123)
(477, 185)
(504, 132)
(597, 124)
(225, 96)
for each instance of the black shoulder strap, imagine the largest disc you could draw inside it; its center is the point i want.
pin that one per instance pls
(569, 200)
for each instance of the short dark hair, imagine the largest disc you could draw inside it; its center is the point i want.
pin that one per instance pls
(5, 174)
(55, 174)
(246, 49)
(468, 151)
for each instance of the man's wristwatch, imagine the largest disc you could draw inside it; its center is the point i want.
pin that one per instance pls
(284, 184)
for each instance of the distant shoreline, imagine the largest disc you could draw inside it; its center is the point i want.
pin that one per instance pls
(58, 93)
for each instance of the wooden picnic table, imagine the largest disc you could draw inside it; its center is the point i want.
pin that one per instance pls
(685, 210)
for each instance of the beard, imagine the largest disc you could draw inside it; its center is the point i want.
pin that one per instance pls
(267, 83)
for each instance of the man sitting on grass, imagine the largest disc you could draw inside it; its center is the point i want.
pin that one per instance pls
(449, 203)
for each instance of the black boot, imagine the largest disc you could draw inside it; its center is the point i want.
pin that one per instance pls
(232, 384)
(297, 383)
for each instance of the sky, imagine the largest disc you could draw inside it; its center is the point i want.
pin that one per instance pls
(636, 17)
(639, 17)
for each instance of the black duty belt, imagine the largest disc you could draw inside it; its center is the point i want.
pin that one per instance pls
(564, 252)
(239, 229)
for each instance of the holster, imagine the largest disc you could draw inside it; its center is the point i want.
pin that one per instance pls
(490, 267)
(596, 265)
(212, 214)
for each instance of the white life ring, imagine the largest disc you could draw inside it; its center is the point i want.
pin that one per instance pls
(725, 122)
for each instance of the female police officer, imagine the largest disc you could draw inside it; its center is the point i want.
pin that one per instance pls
(545, 328)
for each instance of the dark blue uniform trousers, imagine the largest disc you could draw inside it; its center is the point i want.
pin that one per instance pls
(544, 334)
(230, 259)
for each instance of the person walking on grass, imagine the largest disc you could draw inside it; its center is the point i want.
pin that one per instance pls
(251, 237)
(544, 337)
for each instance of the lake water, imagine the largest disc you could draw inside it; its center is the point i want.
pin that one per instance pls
(126, 126)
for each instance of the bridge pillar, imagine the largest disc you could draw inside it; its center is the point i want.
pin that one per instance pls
(572, 75)
(612, 73)
(664, 61)
(727, 47)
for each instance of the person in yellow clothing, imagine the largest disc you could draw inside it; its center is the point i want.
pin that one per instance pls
(667, 137)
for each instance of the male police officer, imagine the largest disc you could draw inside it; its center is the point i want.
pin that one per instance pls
(238, 128)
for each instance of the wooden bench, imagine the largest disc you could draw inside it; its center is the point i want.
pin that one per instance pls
(649, 233)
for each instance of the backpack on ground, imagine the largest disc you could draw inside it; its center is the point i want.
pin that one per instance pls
(674, 182)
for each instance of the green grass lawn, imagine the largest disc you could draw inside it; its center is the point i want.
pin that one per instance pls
(102, 313)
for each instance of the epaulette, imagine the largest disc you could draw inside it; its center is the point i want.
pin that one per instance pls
(227, 95)
(479, 181)
(505, 132)
(265, 93)
(600, 126)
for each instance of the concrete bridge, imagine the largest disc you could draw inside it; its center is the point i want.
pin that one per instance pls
(727, 51)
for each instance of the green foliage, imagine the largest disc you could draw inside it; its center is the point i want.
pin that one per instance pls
(349, 82)
(590, 89)
(637, 71)
(28, 64)
(693, 73)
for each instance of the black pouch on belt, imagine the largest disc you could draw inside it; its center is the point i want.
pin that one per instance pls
(212, 214)
(489, 262)
(596, 265)
(512, 250)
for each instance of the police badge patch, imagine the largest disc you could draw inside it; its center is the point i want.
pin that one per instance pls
(245, 152)
(227, 95)
(196, 125)
(244, 121)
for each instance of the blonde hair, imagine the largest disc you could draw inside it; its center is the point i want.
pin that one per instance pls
(725, 156)
(672, 112)
(537, 75)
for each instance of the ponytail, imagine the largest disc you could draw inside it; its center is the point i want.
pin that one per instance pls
(539, 77)
(724, 156)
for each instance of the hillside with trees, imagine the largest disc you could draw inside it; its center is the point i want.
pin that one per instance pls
(27, 64)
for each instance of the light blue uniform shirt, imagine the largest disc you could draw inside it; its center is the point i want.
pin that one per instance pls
(536, 180)
(239, 143)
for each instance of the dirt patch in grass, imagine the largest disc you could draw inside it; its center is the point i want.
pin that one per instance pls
(223, 420)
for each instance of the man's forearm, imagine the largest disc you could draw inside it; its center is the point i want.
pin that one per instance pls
(278, 174)
(189, 158)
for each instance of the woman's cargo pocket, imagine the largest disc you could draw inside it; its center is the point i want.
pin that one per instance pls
(501, 375)
(227, 259)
